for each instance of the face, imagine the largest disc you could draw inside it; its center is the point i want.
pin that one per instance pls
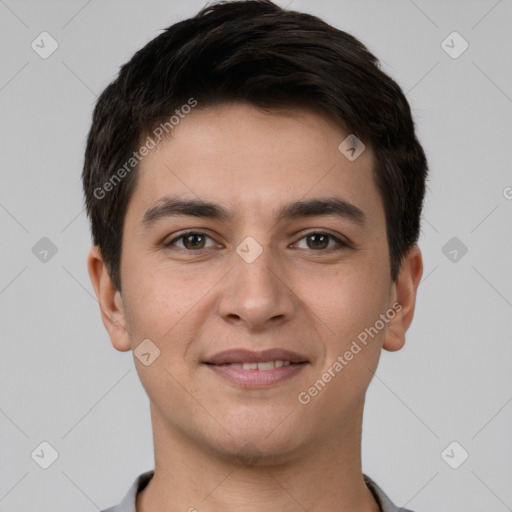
(289, 256)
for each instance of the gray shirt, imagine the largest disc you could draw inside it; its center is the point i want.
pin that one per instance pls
(128, 503)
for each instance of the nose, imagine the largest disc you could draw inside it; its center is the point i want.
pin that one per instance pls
(257, 295)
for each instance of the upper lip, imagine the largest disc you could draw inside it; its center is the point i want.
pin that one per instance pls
(248, 356)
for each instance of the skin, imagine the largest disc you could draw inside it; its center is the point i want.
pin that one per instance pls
(218, 446)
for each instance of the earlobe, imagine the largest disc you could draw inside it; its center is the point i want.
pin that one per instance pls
(404, 291)
(109, 299)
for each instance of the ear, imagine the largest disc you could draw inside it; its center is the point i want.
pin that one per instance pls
(109, 299)
(403, 292)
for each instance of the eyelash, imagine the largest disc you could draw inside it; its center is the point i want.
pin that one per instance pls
(342, 244)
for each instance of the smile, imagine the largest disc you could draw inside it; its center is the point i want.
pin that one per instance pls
(267, 365)
(257, 375)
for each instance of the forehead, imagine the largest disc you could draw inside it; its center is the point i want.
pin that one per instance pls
(255, 161)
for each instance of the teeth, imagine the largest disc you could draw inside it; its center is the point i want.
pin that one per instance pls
(266, 365)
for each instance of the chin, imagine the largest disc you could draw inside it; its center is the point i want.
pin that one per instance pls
(252, 442)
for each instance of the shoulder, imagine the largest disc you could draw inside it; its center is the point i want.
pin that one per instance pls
(384, 502)
(128, 502)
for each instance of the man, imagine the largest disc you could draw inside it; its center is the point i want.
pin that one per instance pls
(255, 186)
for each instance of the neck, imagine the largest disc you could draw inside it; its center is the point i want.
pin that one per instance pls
(325, 475)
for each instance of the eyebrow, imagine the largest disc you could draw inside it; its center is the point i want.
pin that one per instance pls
(174, 207)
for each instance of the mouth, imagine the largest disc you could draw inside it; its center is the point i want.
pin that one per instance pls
(256, 369)
(265, 365)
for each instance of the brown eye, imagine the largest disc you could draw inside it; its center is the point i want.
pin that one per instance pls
(191, 241)
(319, 241)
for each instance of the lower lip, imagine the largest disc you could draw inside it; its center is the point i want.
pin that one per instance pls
(256, 378)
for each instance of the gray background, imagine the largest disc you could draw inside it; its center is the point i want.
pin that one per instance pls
(61, 380)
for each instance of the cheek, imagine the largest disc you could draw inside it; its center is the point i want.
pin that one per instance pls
(347, 300)
(347, 307)
(155, 305)
(166, 305)
(163, 309)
